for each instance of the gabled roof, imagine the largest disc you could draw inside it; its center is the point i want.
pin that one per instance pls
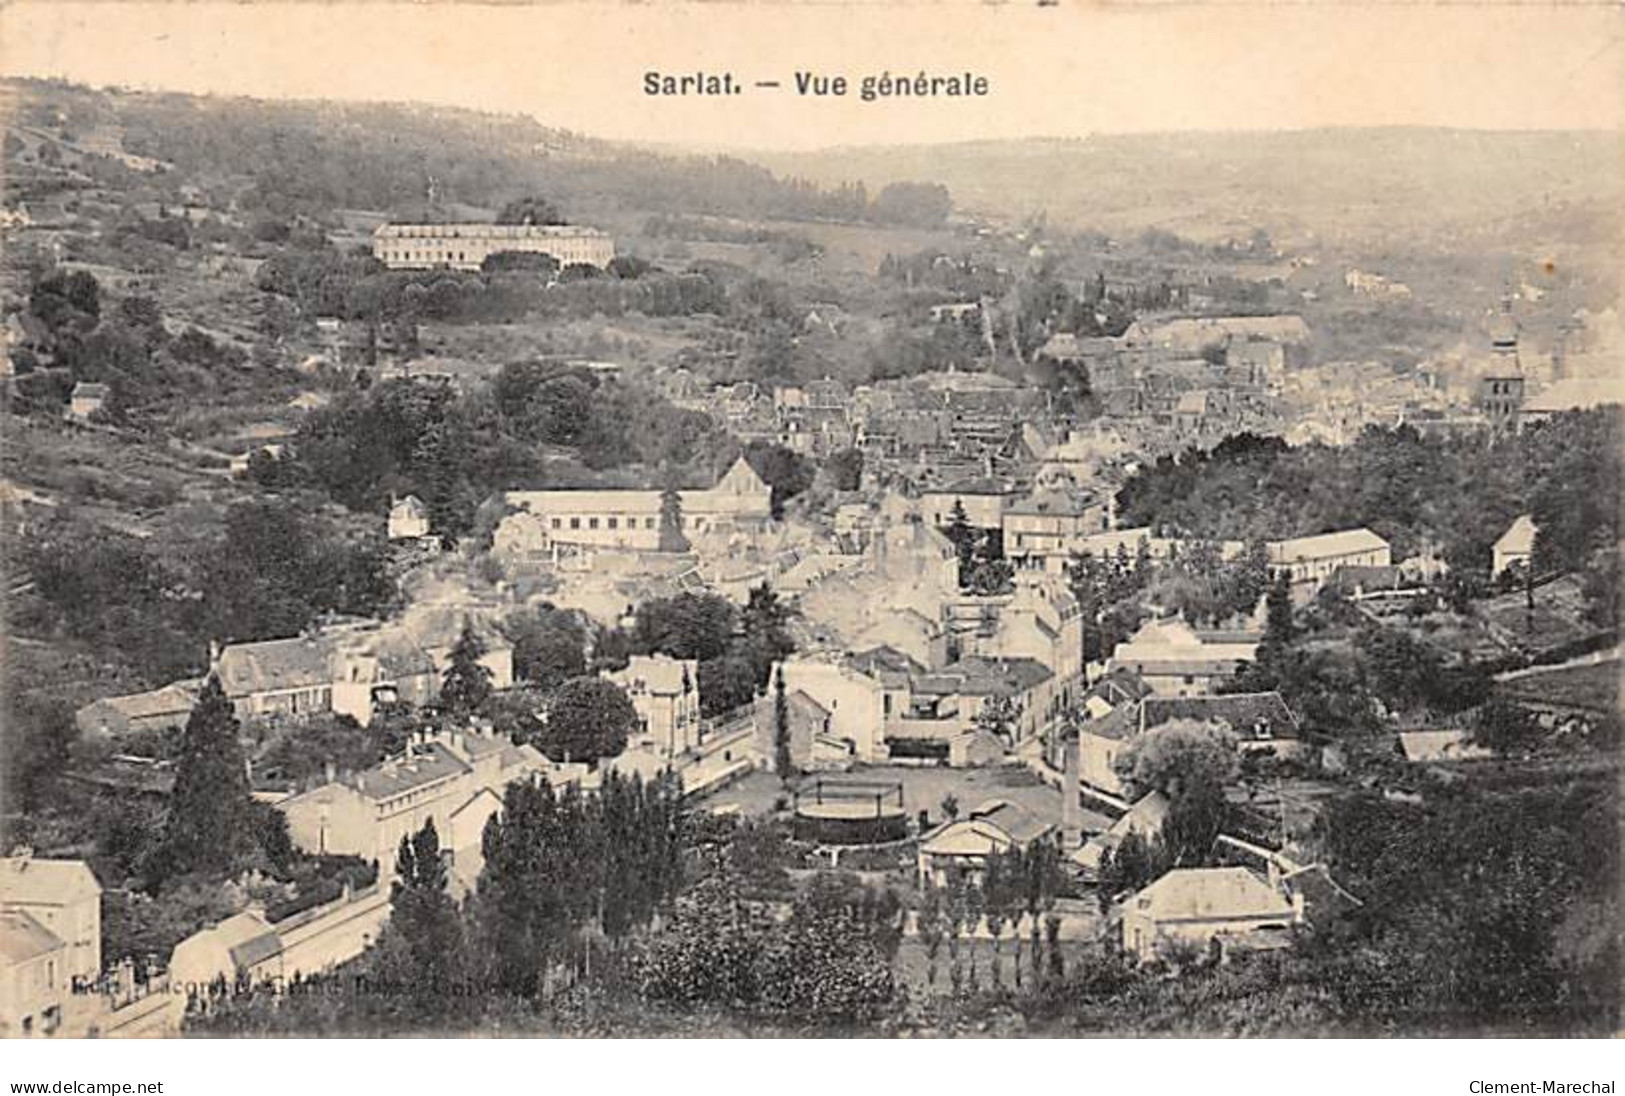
(998, 677)
(1022, 825)
(878, 661)
(91, 390)
(1519, 537)
(27, 880)
(992, 827)
(23, 938)
(1207, 894)
(1145, 818)
(800, 702)
(176, 699)
(1325, 546)
(275, 665)
(660, 675)
(1119, 724)
(1054, 503)
(428, 765)
(1248, 714)
(976, 485)
(246, 937)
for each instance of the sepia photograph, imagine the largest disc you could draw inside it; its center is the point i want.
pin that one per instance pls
(791, 520)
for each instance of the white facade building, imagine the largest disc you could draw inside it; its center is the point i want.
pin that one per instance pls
(467, 246)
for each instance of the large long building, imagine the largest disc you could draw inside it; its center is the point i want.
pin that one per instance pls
(466, 246)
(741, 500)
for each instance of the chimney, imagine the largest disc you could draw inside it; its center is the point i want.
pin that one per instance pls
(1071, 820)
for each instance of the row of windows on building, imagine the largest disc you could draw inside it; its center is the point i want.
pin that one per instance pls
(619, 523)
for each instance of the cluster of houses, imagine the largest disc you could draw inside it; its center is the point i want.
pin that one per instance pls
(346, 668)
(929, 420)
(1187, 376)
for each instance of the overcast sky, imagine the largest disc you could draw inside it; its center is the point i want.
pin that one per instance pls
(1056, 71)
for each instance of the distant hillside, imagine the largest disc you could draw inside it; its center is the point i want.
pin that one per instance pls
(313, 158)
(1357, 184)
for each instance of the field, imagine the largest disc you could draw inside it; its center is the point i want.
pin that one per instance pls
(1594, 687)
(1554, 622)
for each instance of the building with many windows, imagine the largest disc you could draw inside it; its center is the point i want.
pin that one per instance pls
(741, 500)
(467, 246)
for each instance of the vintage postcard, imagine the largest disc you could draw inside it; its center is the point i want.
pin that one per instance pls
(804, 519)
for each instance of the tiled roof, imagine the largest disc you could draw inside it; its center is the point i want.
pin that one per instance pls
(275, 665)
(884, 660)
(1211, 894)
(1245, 713)
(1119, 686)
(1057, 503)
(428, 765)
(173, 700)
(1120, 724)
(979, 485)
(1022, 825)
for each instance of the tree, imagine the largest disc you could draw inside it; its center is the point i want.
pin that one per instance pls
(211, 825)
(1190, 763)
(697, 626)
(672, 538)
(588, 718)
(787, 473)
(466, 685)
(627, 267)
(846, 469)
(38, 736)
(1135, 862)
(420, 957)
(963, 537)
(530, 210)
(727, 684)
(67, 301)
(1601, 588)
(989, 577)
(999, 717)
(783, 762)
(549, 647)
(529, 262)
(1278, 627)
(764, 631)
(1506, 728)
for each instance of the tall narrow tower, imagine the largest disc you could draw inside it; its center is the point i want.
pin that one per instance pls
(1500, 392)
